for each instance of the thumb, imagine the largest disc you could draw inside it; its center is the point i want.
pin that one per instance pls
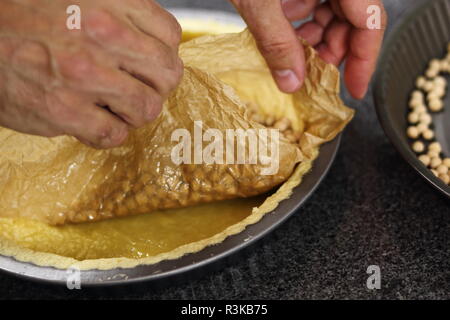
(276, 41)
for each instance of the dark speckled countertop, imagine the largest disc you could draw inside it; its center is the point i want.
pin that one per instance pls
(372, 209)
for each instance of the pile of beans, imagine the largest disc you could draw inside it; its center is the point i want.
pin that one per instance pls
(428, 98)
(283, 124)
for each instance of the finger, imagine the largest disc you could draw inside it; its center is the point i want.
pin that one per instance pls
(23, 109)
(313, 31)
(365, 45)
(131, 100)
(276, 40)
(323, 15)
(98, 128)
(298, 9)
(360, 66)
(337, 9)
(335, 45)
(29, 123)
(356, 12)
(150, 72)
(146, 58)
(115, 35)
(154, 21)
(81, 118)
(134, 102)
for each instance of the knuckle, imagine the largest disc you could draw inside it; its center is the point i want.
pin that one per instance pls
(278, 49)
(175, 34)
(146, 107)
(31, 53)
(152, 106)
(176, 74)
(136, 120)
(118, 137)
(103, 136)
(75, 65)
(169, 78)
(100, 24)
(102, 131)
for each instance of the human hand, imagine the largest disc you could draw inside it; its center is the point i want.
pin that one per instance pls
(338, 31)
(94, 83)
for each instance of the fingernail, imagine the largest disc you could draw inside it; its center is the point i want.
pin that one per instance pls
(287, 80)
